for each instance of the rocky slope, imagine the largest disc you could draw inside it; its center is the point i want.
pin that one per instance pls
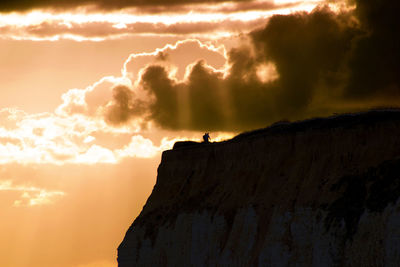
(322, 192)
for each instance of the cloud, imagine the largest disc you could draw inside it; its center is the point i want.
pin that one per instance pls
(119, 100)
(224, 7)
(139, 146)
(299, 65)
(307, 50)
(30, 195)
(176, 57)
(180, 105)
(87, 101)
(123, 106)
(96, 154)
(374, 65)
(54, 30)
(60, 139)
(275, 77)
(211, 20)
(18, 5)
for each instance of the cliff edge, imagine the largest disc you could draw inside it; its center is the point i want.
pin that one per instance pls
(321, 192)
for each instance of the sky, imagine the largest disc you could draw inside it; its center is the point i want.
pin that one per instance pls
(92, 92)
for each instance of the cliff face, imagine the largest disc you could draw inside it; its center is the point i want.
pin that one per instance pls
(323, 192)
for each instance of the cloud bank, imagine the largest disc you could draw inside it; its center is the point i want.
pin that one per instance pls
(185, 19)
(51, 139)
(103, 30)
(30, 195)
(18, 5)
(299, 65)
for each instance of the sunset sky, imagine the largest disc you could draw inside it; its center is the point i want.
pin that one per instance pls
(91, 93)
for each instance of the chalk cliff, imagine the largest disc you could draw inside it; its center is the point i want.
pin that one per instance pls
(322, 192)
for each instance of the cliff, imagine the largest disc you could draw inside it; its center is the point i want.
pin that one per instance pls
(322, 192)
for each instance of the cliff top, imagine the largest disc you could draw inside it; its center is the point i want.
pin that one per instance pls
(347, 120)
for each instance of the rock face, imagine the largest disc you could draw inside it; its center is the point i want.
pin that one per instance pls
(322, 192)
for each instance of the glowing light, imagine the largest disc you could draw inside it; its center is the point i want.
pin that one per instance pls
(31, 196)
(120, 26)
(89, 139)
(221, 19)
(96, 154)
(267, 72)
(139, 146)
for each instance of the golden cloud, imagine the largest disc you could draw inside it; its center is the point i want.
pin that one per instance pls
(30, 195)
(212, 21)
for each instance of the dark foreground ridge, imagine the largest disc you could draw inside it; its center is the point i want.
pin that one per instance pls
(320, 192)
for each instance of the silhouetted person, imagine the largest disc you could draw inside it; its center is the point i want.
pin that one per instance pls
(206, 138)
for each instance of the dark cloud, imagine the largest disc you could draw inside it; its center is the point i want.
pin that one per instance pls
(123, 106)
(375, 62)
(326, 63)
(162, 56)
(247, 5)
(303, 47)
(306, 48)
(20, 5)
(165, 108)
(206, 100)
(194, 104)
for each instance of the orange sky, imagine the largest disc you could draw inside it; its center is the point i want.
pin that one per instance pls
(72, 177)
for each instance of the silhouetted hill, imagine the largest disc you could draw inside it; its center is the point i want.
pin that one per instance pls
(320, 192)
